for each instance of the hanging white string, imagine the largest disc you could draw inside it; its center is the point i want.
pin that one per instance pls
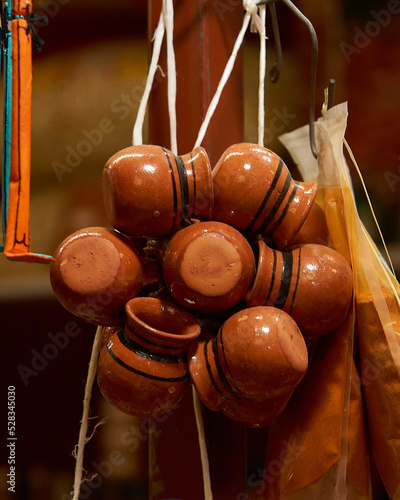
(83, 439)
(158, 36)
(168, 8)
(203, 445)
(262, 71)
(165, 24)
(251, 9)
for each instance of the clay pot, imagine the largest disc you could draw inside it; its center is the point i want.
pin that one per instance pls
(255, 193)
(312, 283)
(106, 333)
(208, 267)
(148, 191)
(96, 270)
(258, 354)
(143, 369)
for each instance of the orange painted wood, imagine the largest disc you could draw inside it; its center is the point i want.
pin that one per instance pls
(17, 238)
(17, 235)
(204, 35)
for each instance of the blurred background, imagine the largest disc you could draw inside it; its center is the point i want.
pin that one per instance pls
(87, 83)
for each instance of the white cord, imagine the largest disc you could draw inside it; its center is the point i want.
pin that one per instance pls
(85, 416)
(137, 138)
(203, 446)
(261, 83)
(257, 24)
(165, 24)
(168, 8)
(225, 76)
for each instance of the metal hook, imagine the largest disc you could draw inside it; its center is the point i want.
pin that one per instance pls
(313, 65)
(277, 66)
(331, 90)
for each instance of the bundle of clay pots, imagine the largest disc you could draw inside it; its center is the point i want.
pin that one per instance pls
(209, 276)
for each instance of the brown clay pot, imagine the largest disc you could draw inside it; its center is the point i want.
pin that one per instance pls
(208, 267)
(106, 333)
(255, 193)
(143, 369)
(96, 270)
(313, 283)
(260, 355)
(148, 191)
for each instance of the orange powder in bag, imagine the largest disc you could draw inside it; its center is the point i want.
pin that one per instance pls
(357, 451)
(305, 442)
(381, 385)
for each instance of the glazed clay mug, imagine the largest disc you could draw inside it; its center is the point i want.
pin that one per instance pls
(258, 354)
(255, 193)
(96, 270)
(148, 191)
(142, 370)
(313, 283)
(208, 266)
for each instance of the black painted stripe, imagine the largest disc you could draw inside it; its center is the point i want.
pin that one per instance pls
(273, 277)
(209, 371)
(161, 357)
(221, 373)
(266, 198)
(171, 170)
(194, 184)
(139, 372)
(183, 183)
(277, 205)
(284, 212)
(297, 282)
(163, 346)
(232, 391)
(286, 278)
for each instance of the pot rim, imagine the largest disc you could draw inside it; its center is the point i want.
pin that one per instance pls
(190, 327)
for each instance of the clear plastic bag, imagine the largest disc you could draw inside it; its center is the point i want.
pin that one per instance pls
(325, 421)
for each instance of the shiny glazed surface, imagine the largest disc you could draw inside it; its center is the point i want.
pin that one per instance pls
(157, 324)
(313, 283)
(208, 266)
(96, 270)
(140, 382)
(258, 355)
(148, 191)
(255, 193)
(143, 369)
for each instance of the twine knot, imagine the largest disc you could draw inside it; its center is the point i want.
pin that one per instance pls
(251, 7)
